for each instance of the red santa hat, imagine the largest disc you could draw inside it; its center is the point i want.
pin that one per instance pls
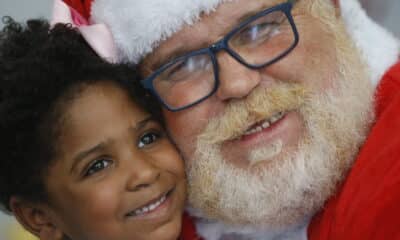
(138, 26)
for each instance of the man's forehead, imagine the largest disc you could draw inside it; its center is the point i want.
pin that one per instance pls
(208, 29)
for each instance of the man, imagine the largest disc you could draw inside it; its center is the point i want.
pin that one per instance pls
(270, 102)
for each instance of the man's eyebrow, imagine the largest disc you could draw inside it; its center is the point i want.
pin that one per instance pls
(248, 15)
(168, 57)
(265, 6)
(102, 145)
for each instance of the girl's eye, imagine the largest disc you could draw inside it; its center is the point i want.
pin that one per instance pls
(97, 166)
(148, 138)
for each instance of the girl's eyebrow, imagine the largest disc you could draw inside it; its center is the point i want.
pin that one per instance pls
(83, 154)
(98, 147)
(141, 124)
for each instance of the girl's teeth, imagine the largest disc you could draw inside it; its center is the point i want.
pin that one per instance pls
(149, 208)
(152, 207)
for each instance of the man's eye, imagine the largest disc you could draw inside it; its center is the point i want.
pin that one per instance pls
(256, 32)
(97, 166)
(185, 69)
(177, 69)
(148, 138)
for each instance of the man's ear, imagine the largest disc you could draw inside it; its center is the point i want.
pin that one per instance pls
(35, 218)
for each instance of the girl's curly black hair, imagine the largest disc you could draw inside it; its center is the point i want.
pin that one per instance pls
(39, 67)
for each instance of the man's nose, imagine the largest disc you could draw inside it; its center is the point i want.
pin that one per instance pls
(235, 79)
(142, 172)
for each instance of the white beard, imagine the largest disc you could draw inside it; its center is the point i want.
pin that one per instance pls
(278, 201)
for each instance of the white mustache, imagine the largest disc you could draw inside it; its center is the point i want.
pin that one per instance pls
(261, 104)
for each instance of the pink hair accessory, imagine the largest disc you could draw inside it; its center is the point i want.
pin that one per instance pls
(98, 36)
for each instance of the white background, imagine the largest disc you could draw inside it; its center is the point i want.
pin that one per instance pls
(386, 12)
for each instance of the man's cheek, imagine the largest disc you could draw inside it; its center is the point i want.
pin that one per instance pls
(184, 127)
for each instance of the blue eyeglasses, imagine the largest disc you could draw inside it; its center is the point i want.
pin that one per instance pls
(258, 42)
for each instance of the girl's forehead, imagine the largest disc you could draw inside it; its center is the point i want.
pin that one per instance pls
(103, 112)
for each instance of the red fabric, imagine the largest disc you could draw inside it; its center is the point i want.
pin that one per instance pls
(82, 6)
(188, 229)
(367, 206)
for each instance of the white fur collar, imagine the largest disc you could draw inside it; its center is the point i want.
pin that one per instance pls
(220, 231)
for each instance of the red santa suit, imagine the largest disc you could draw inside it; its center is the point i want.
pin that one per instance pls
(188, 229)
(367, 206)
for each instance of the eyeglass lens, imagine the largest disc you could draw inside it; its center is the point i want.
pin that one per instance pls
(263, 39)
(186, 81)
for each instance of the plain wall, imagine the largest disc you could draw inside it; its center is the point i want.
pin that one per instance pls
(386, 12)
(22, 9)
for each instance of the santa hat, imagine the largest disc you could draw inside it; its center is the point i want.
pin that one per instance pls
(138, 26)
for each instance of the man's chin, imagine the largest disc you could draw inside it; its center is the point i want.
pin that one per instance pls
(260, 157)
(267, 194)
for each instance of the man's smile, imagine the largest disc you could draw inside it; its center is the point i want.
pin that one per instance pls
(281, 131)
(263, 125)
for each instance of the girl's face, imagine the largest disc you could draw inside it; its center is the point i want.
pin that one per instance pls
(116, 174)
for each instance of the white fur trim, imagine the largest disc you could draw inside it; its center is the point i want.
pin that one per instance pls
(138, 26)
(379, 47)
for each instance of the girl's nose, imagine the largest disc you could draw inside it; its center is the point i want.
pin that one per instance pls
(143, 173)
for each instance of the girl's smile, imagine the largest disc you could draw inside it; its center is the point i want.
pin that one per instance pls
(155, 209)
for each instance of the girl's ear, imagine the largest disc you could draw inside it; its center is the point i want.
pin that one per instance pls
(36, 219)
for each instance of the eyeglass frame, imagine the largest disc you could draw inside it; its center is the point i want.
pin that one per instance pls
(222, 44)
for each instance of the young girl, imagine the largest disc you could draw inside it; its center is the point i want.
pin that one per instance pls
(81, 159)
